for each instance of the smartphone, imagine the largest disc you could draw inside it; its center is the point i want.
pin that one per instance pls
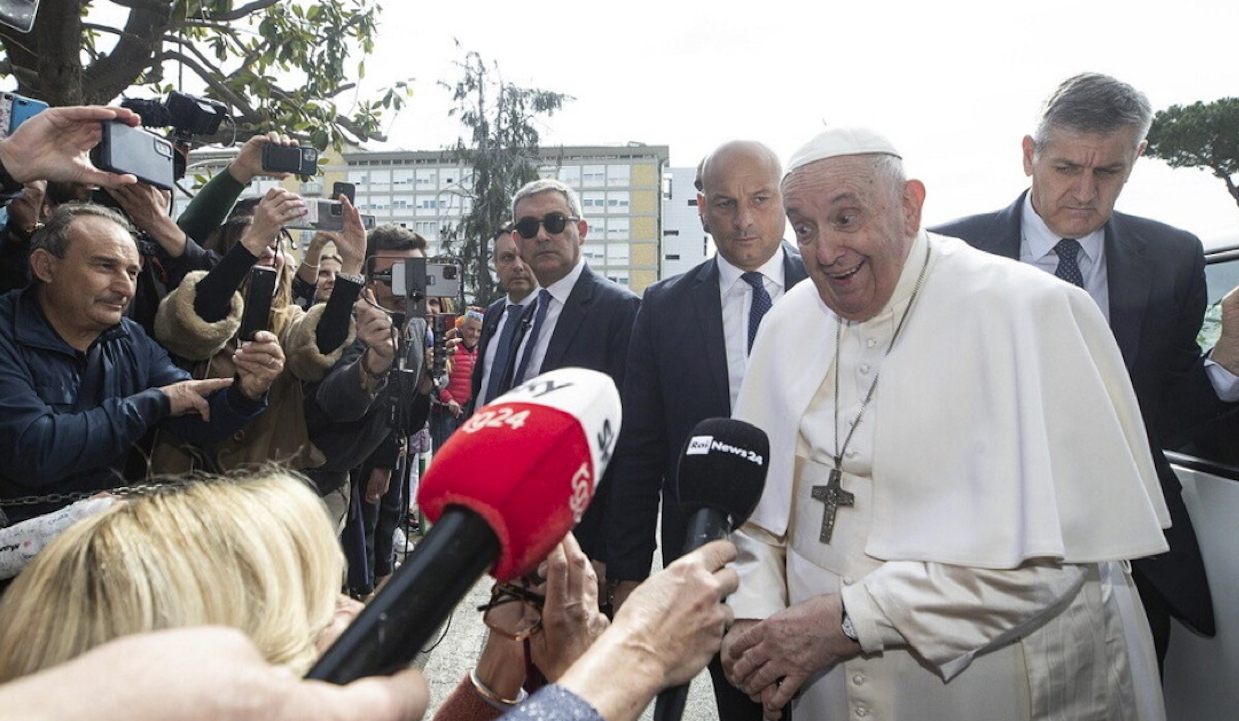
(300, 159)
(256, 314)
(429, 277)
(19, 109)
(126, 149)
(19, 14)
(325, 215)
(348, 190)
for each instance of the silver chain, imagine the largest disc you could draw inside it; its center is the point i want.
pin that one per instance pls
(143, 489)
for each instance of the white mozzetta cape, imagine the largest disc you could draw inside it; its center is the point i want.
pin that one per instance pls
(1006, 427)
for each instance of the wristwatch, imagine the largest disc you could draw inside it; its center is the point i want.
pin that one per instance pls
(846, 626)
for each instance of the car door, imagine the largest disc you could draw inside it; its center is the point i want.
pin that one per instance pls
(1202, 674)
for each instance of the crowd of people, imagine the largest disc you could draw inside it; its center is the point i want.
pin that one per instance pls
(991, 532)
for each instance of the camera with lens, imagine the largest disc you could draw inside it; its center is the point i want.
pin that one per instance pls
(187, 115)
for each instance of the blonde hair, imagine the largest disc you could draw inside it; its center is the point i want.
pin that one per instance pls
(256, 553)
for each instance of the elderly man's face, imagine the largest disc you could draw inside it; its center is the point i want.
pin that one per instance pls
(740, 205)
(90, 287)
(514, 275)
(1077, 177)
(551, 255)
(853, 229)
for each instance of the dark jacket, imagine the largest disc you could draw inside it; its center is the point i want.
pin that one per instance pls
(71, 417)
(349, 425)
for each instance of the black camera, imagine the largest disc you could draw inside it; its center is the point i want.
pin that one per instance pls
(186, 114)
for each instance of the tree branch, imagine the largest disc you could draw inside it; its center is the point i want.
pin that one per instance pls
(226, 93)
(236, 14)
(153, 6)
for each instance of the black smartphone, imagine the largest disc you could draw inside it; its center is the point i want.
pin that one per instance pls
(255, 316)
(126, 149)
(348, 190)
(299, 159)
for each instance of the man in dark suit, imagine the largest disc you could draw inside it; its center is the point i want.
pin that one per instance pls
(579, 319)
(1147, 277)
(502, 319)
(686, 361)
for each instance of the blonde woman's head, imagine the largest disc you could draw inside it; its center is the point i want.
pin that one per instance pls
(256, 553)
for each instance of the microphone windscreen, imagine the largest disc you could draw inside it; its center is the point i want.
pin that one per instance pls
(528, 463)
(723, 466)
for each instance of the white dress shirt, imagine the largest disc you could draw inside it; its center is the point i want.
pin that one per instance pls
(737, 298)
(559, 290)
(488, 360)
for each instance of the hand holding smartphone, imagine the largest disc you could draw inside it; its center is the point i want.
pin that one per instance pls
(258, 294)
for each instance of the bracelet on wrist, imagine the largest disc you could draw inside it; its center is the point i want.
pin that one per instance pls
(489, 694)
(366, 368)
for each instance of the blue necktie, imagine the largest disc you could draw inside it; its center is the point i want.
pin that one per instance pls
(761, 302)
(544, 302)
(503, 352)
(1068, 267)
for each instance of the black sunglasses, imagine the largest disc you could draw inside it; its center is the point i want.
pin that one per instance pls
(554, 222)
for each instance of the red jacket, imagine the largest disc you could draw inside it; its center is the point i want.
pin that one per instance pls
(459, 383)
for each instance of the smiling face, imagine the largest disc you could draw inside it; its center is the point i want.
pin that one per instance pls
(1077, 177)
(740, 204)
(86, 292)
(551, 255)
(854, 226)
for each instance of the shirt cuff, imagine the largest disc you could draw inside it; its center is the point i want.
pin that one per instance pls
(874, 631)
(1225, 383)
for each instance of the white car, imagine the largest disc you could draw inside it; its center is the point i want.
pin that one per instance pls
(1202, 674)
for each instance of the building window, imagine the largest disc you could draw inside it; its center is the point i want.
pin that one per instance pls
(617, 253)
(380, 179)
(359, 177)
(402, 178)
(593, 176)
(617, 229)
(425, 178)
(593, 203)
(593, 252)
(617, 202)
(570, 175)
(618, 176)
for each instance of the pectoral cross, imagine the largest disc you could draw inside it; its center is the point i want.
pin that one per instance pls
(833, 495)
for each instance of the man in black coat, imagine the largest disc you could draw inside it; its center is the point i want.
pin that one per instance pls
(1147, 277)
(686, 361)
(502, 319)
(579, 319)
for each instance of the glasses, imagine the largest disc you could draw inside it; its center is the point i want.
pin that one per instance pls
(513, 612)
(553, 222)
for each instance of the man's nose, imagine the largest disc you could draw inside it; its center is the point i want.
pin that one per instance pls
(1085, 188)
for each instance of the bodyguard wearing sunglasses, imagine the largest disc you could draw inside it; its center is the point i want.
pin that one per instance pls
(579, 318)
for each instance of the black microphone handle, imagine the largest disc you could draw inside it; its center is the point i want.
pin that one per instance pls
(394, 626)
(704, 525)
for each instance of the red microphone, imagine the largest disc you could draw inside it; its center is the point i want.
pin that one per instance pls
(505, 488)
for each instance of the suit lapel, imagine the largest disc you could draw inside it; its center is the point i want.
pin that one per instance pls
(708, 308)
(571, 319)
(1128, 280)
(793, 267)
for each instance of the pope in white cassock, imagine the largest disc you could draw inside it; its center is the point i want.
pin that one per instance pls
(958, 476)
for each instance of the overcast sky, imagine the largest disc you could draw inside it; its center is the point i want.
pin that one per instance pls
(955, 84)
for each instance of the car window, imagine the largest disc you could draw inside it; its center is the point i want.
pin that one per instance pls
(1221, 274)
(1217, 442)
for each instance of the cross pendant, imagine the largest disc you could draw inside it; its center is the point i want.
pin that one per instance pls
(833, 496)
